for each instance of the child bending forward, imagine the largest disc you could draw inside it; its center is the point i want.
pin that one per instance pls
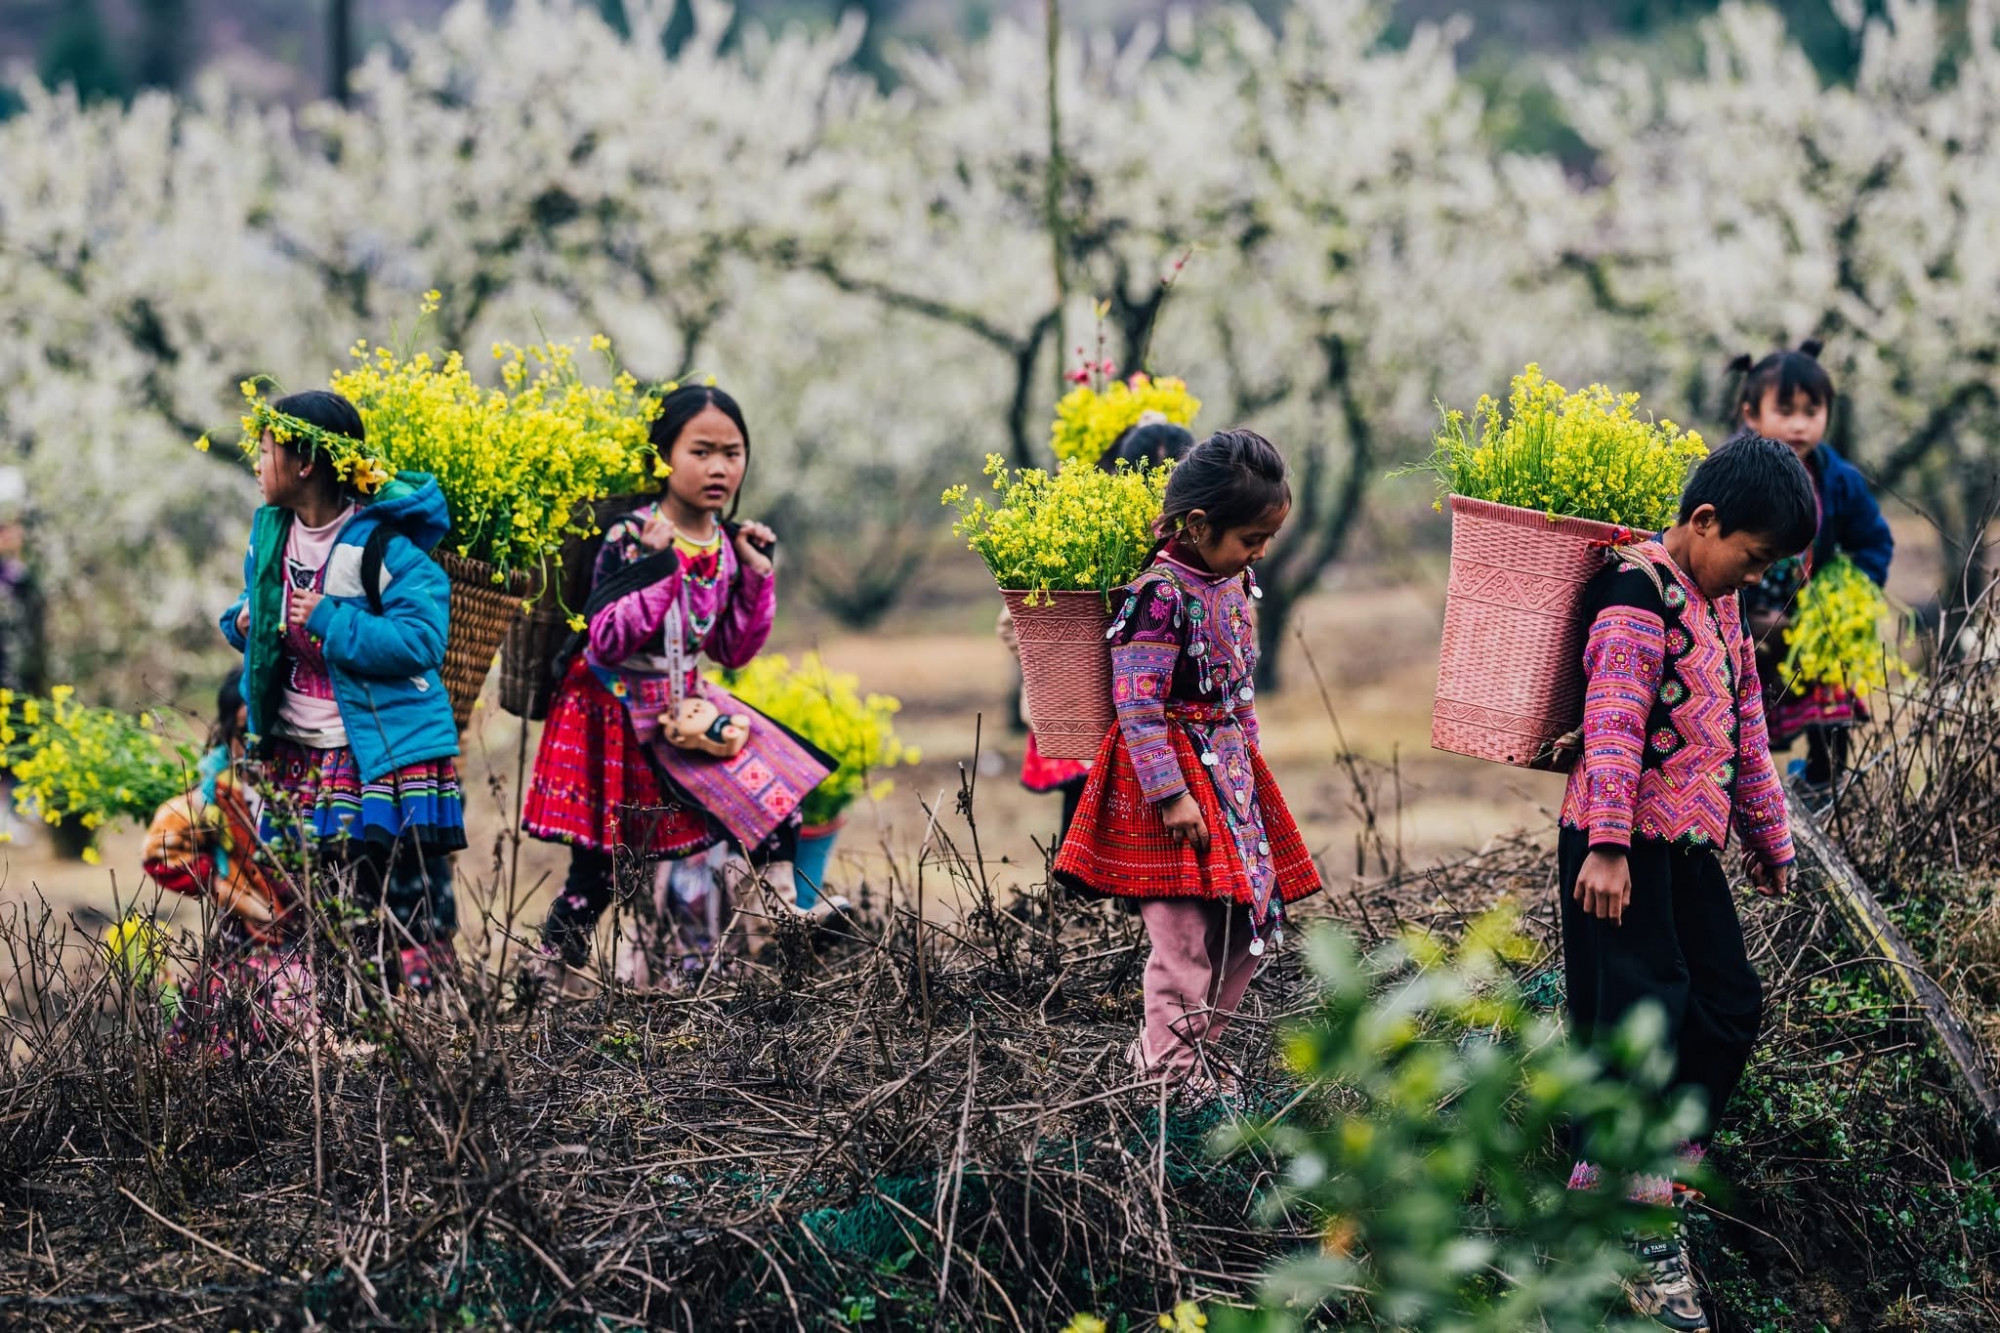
(1674, 753)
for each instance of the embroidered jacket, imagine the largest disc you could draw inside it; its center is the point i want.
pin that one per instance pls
(1183, 655)
(1183, 637)
(729, 609)
(1674, 746)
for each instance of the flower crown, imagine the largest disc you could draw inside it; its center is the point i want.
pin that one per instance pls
(351, 461)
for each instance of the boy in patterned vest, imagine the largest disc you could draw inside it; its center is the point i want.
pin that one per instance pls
(1674, 754)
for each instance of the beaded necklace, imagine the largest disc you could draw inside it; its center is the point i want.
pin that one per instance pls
(685, 631)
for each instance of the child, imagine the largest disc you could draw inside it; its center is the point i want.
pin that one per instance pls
(1787, 397)
(1152, 442)
(675, 579)
(205, 843)
(1180, 811)
(345, 707)
(1674, 749)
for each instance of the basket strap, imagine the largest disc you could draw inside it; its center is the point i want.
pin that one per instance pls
(1632, 558)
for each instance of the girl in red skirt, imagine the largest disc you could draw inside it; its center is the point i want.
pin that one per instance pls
(1180, 811)
(676, 579)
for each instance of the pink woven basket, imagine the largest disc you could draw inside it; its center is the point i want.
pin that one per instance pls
(1066, 670)
(1510, 668)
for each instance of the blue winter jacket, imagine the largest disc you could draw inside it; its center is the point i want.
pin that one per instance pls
(1850, 521)
(384, 668)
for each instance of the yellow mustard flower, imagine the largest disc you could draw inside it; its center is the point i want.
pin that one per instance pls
(1089, 420)
(1835, 638)
(1587, 454)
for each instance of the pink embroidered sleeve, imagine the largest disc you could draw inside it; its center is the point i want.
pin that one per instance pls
(1622, 663)
(745, 626)
(1142, 673)
(632, 623)
(1760, 799)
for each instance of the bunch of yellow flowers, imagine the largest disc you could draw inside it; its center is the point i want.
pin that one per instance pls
(1587, 454)
(828, 709)
(1089, 420)
(1082, 529)
(92, 765)
(1836, 636)
(517, 464)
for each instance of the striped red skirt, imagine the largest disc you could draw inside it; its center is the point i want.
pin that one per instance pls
(1118, 844)
(593, 785)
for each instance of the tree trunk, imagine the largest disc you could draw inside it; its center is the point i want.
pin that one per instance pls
(166, 43)
(339, 47)
(1274, 620)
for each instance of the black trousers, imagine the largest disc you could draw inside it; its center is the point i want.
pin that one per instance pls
(587, 891)
(1681, 946)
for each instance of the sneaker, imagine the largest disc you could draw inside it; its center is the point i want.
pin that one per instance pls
(1665, 1290)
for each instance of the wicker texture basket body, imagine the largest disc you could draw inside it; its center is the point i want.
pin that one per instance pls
(482, 612)
(527, 683)
(1510, 667)
(1065, 669)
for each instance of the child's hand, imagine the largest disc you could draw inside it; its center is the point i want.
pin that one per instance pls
(658, 534)
(1184, 822)
(1604, 885)
(243, 619)
(748, 537)
(1771, 881)
(299, 608)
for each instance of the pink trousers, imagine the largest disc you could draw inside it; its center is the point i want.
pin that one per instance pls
(1195, 978)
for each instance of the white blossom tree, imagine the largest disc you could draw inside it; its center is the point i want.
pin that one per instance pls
(1749, 206)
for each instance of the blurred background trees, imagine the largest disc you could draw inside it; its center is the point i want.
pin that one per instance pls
(859, 222)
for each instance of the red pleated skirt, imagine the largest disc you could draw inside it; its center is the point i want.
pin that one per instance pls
(593, 787)
(1118, 844)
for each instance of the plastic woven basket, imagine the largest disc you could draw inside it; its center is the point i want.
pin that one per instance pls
(1510, 667)
(482, 612)
(1065, 670)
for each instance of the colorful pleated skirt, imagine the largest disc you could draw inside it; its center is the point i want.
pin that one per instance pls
(594, 787)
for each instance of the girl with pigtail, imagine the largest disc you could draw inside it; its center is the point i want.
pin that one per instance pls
(1788, 396)
(1180, 812)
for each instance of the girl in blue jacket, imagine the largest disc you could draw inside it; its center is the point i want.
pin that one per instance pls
(1788, 396)
(342, 625)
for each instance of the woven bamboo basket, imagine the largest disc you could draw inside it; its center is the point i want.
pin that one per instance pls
(1066, 670)
(1510, 667)
(526, 685)
(482, 612)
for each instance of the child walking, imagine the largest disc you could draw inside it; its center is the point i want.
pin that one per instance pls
(677, 578)
(1180, 811)
(342, 625)
(1788, 397)
(1674, 752)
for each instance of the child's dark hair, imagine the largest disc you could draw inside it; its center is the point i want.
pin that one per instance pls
(1234, 477)
(1756, 485)
(683, 405)
(330, 412)
(228, 703)
(1150, 443)
(1790, 372)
